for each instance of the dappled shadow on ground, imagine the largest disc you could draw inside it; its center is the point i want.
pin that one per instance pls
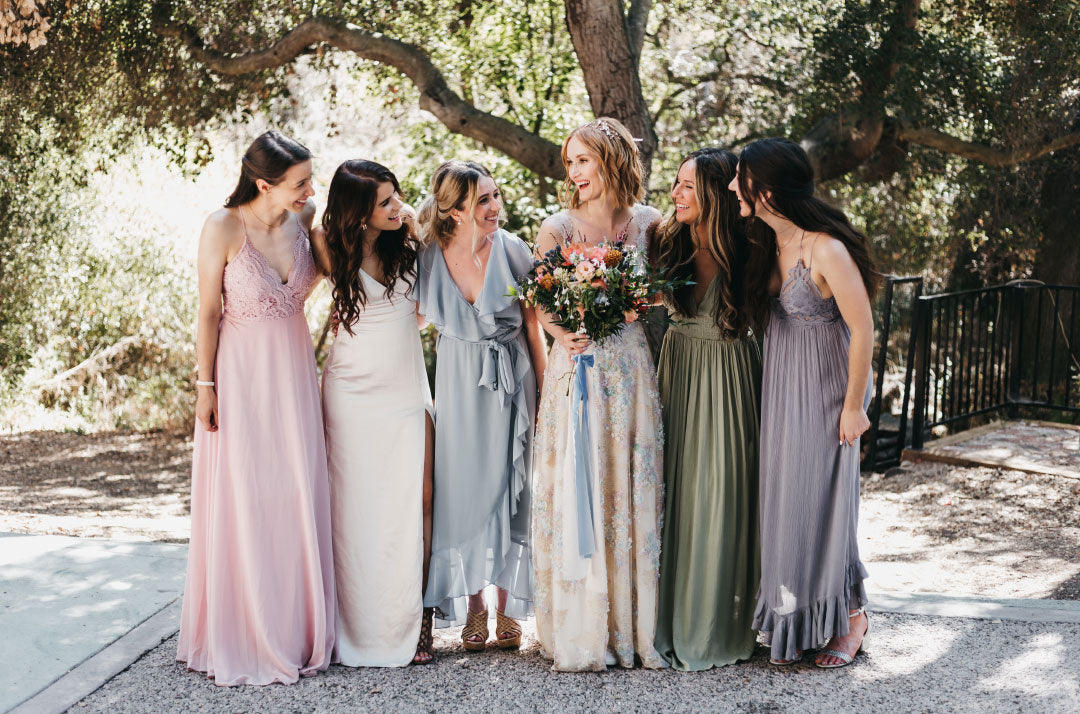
(913, 663)
(966, 530)
(110, 484)
(66, 598)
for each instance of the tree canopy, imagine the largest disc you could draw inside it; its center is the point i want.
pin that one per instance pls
(989, 81)
(951, 131)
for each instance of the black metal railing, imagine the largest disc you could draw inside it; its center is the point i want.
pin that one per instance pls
(888, 433)
(993, 349)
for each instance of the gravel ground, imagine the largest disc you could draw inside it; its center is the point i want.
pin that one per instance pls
(973, 531)
(108, 485)
(924, 527)
(912, 663)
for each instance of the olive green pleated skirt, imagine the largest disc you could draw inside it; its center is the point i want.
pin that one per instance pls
(710, 391)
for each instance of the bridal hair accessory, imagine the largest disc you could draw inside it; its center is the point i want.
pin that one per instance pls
(603, 126)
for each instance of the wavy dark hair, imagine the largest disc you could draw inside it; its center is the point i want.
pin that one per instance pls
(349, 205)
(267, 158)
(713, 171)
(781, 169)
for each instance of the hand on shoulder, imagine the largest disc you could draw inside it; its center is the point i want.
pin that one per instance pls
(307, 216)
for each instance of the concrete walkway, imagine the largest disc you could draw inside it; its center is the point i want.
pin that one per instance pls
(77, 613)
(63, 600)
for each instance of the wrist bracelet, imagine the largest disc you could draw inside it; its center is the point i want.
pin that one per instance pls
(201, 383)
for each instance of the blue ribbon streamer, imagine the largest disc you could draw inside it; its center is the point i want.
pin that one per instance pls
(582, 462)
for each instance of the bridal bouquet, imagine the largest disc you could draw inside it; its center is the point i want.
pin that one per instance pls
(592, 289)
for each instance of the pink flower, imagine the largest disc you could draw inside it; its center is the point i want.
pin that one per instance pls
(598, 253)
(585, 269)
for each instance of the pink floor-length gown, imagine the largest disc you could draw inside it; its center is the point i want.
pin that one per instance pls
(259, 601)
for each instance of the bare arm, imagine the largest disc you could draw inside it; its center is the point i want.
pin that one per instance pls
(320, 250)
(843, 279)
(534, 336)
(572, 342)
(214, 245)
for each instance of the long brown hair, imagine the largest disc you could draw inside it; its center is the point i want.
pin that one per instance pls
(781, 169)
(620, 168)
(727, 243)
(267, 158)
(349, 205)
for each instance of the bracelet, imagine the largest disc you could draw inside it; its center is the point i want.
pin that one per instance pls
(201, 383)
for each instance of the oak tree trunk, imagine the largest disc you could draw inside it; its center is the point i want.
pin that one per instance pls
(598, 31)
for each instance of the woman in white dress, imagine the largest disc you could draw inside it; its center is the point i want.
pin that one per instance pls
(377, 410)
(599, 609)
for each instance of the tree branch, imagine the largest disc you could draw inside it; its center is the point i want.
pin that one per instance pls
(459, 116)
(989, 155)
(637, 18)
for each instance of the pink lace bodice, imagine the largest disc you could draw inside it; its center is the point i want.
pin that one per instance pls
(253, 290)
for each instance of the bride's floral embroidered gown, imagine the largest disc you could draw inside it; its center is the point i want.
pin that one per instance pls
(601, 609)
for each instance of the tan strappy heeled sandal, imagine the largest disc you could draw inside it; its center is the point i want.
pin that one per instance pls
(507, 631)
(475, 625)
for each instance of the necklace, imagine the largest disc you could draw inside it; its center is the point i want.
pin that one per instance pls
(252, 212)
(785, 245)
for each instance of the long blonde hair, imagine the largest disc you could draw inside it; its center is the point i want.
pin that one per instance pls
(620, 168)
(454, 185)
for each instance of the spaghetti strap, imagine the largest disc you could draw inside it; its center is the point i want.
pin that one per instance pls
(243, 222)
(812, 244)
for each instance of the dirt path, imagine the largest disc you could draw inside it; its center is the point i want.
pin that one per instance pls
(923, 528)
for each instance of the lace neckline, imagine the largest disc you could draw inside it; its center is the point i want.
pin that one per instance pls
(800, 269)
(264, 261)
(620, 237)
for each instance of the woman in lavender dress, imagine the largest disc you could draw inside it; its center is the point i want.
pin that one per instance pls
(815, 390)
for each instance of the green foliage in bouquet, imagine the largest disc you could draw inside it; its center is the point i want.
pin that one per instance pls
(593, 289)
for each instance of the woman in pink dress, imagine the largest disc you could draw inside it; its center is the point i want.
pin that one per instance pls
(259, 600)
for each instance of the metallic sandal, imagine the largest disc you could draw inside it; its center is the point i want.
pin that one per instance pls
(476, 624)
(507, 631)
(844, 657)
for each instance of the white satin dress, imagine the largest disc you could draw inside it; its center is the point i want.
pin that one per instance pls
(375, 395)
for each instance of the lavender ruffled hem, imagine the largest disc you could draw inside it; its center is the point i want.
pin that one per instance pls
(811, 626)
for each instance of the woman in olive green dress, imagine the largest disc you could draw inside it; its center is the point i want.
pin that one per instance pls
(710, 386)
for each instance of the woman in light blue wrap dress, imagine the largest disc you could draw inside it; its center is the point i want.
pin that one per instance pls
(485, 403)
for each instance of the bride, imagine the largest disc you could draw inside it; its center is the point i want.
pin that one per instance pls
(595, 609)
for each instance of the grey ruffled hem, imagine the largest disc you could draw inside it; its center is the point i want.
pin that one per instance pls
(456, 573)
(813, 625)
